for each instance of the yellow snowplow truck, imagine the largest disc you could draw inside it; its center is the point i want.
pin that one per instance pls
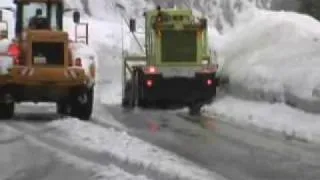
(41, 65)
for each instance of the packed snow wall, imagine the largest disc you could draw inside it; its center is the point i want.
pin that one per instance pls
(222, 13)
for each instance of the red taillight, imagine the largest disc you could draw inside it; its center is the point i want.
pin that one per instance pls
(14, 51)
(149, 83)
(209, 82)
(78, 62)
(150, 70)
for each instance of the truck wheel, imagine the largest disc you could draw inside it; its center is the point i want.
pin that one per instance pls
(7, 111)
(127, 99)
(143, 103)
(131, 92)
(83, 110)
(195, 109)
(62, 108)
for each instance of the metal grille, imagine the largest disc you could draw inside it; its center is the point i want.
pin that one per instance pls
(48, 53)
(179, 46)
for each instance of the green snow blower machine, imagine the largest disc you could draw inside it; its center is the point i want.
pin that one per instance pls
(176, 68)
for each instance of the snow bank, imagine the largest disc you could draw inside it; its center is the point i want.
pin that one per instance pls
(107, 11)
(226, 14)
(278, 117)
(105, 42)
(222, 14)
(128, 148)
(274, 57)
(108, 33)
(98, 172)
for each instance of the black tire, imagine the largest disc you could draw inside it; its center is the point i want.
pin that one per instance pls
(195, 110)
(83, 111)
(6, 111)
(144, 103)
(126, 100)
(62, 108)
(131, 92)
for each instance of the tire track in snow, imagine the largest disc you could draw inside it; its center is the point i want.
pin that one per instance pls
(97, 171)
(268, 140)
(102, 159)
(154, 162)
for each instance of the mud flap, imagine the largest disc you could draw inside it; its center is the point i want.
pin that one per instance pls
(7, 110)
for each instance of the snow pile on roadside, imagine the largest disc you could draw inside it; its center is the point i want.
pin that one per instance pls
(274, 58)
(278, 117)
(107, 33)
(128, 148)
(112, 94)
(99, 172)
(105, 42)
(105, 46)
(226, 14)
(106, 10)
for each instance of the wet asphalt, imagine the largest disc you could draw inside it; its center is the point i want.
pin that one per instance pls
(237, 153)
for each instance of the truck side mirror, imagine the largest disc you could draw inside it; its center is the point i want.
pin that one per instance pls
(204, 23)
(132, 25)
(76, 17)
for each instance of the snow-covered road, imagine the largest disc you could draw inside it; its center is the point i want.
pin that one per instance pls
(38, 144)
(235, 152)
(23, 157)
(93, 150)
(148, 144)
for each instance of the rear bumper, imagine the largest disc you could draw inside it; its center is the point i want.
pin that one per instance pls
(42, 84)
(47, 76)
(38, 93)
(21, 75)
(180, 89)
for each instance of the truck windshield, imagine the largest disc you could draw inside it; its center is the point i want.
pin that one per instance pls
(39, 10)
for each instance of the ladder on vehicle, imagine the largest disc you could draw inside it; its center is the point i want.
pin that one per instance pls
(79, 37)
